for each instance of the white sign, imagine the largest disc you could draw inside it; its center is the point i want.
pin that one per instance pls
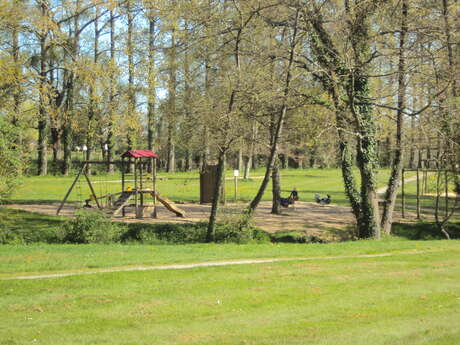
(236, 173)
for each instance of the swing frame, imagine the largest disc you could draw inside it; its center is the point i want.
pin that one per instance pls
(139, 159)
(83, 171)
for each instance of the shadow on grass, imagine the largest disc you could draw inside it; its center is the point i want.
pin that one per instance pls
(425, 231)
(26, 227)
(347, 234)
(35, 202)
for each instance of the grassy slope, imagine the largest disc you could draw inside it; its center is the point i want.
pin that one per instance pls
(401, 299)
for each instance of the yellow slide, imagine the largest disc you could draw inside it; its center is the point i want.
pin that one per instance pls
(170, 206)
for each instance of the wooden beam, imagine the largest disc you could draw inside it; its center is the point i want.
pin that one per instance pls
(123, 204)
(92, 190)
(83, 167)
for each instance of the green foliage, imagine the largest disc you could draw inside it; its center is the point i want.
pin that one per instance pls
(10, 157)
(165, 233)
(191, 233)
(90, 227)
(295, 237)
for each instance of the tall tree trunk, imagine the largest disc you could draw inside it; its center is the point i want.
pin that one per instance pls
(279, 123)
(357, 88)
(189, 129)
(131, 91)
(449, 45)
(17, 91)
(56, 146)
(239, 160)
(249, 158)
(393, 183)
(412, 142)
(211, 231)
(42, 120)
(110, 137)
(276, 188)
(172, 85)
(152, 84)
(91, 130)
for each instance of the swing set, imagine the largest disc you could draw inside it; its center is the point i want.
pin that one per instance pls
(119, 202)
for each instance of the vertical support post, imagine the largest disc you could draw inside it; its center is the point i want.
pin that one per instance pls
(141, 184)
(403, 201)
(123, 174)
(154, 186)
(136, 189)
(418, 193)
(93, 193)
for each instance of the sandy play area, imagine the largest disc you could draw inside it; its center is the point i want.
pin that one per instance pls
(307, 216)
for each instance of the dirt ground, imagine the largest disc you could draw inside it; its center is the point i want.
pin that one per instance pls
(330, 220)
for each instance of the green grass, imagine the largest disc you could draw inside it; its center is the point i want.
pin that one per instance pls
(399, 299)
(185, 186)
(427, 196)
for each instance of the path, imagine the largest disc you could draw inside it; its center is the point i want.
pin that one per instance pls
(207, 264)
(383, 189)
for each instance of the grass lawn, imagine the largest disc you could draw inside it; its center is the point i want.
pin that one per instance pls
(185, 186)
(398, 299)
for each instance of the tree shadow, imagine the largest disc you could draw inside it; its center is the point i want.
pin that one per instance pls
(425, 231)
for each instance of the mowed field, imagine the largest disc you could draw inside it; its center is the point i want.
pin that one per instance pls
(185, 186)
(366, 292)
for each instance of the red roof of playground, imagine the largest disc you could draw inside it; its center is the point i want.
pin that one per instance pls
(140, 153)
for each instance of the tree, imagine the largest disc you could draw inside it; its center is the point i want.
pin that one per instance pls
(10, 156)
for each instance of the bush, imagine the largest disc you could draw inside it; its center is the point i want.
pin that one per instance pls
(165, 233)
(191, 233)
(295, 237)
(90, 227)
(8, 236)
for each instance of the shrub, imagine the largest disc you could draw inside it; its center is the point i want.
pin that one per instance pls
(165, 233)
(90, 227)
(191, 233)
(295, 237)
(8, 236)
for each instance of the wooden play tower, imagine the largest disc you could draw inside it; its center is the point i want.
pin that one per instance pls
(129, 197)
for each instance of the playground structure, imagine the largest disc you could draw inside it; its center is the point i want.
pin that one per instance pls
(116, 203)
